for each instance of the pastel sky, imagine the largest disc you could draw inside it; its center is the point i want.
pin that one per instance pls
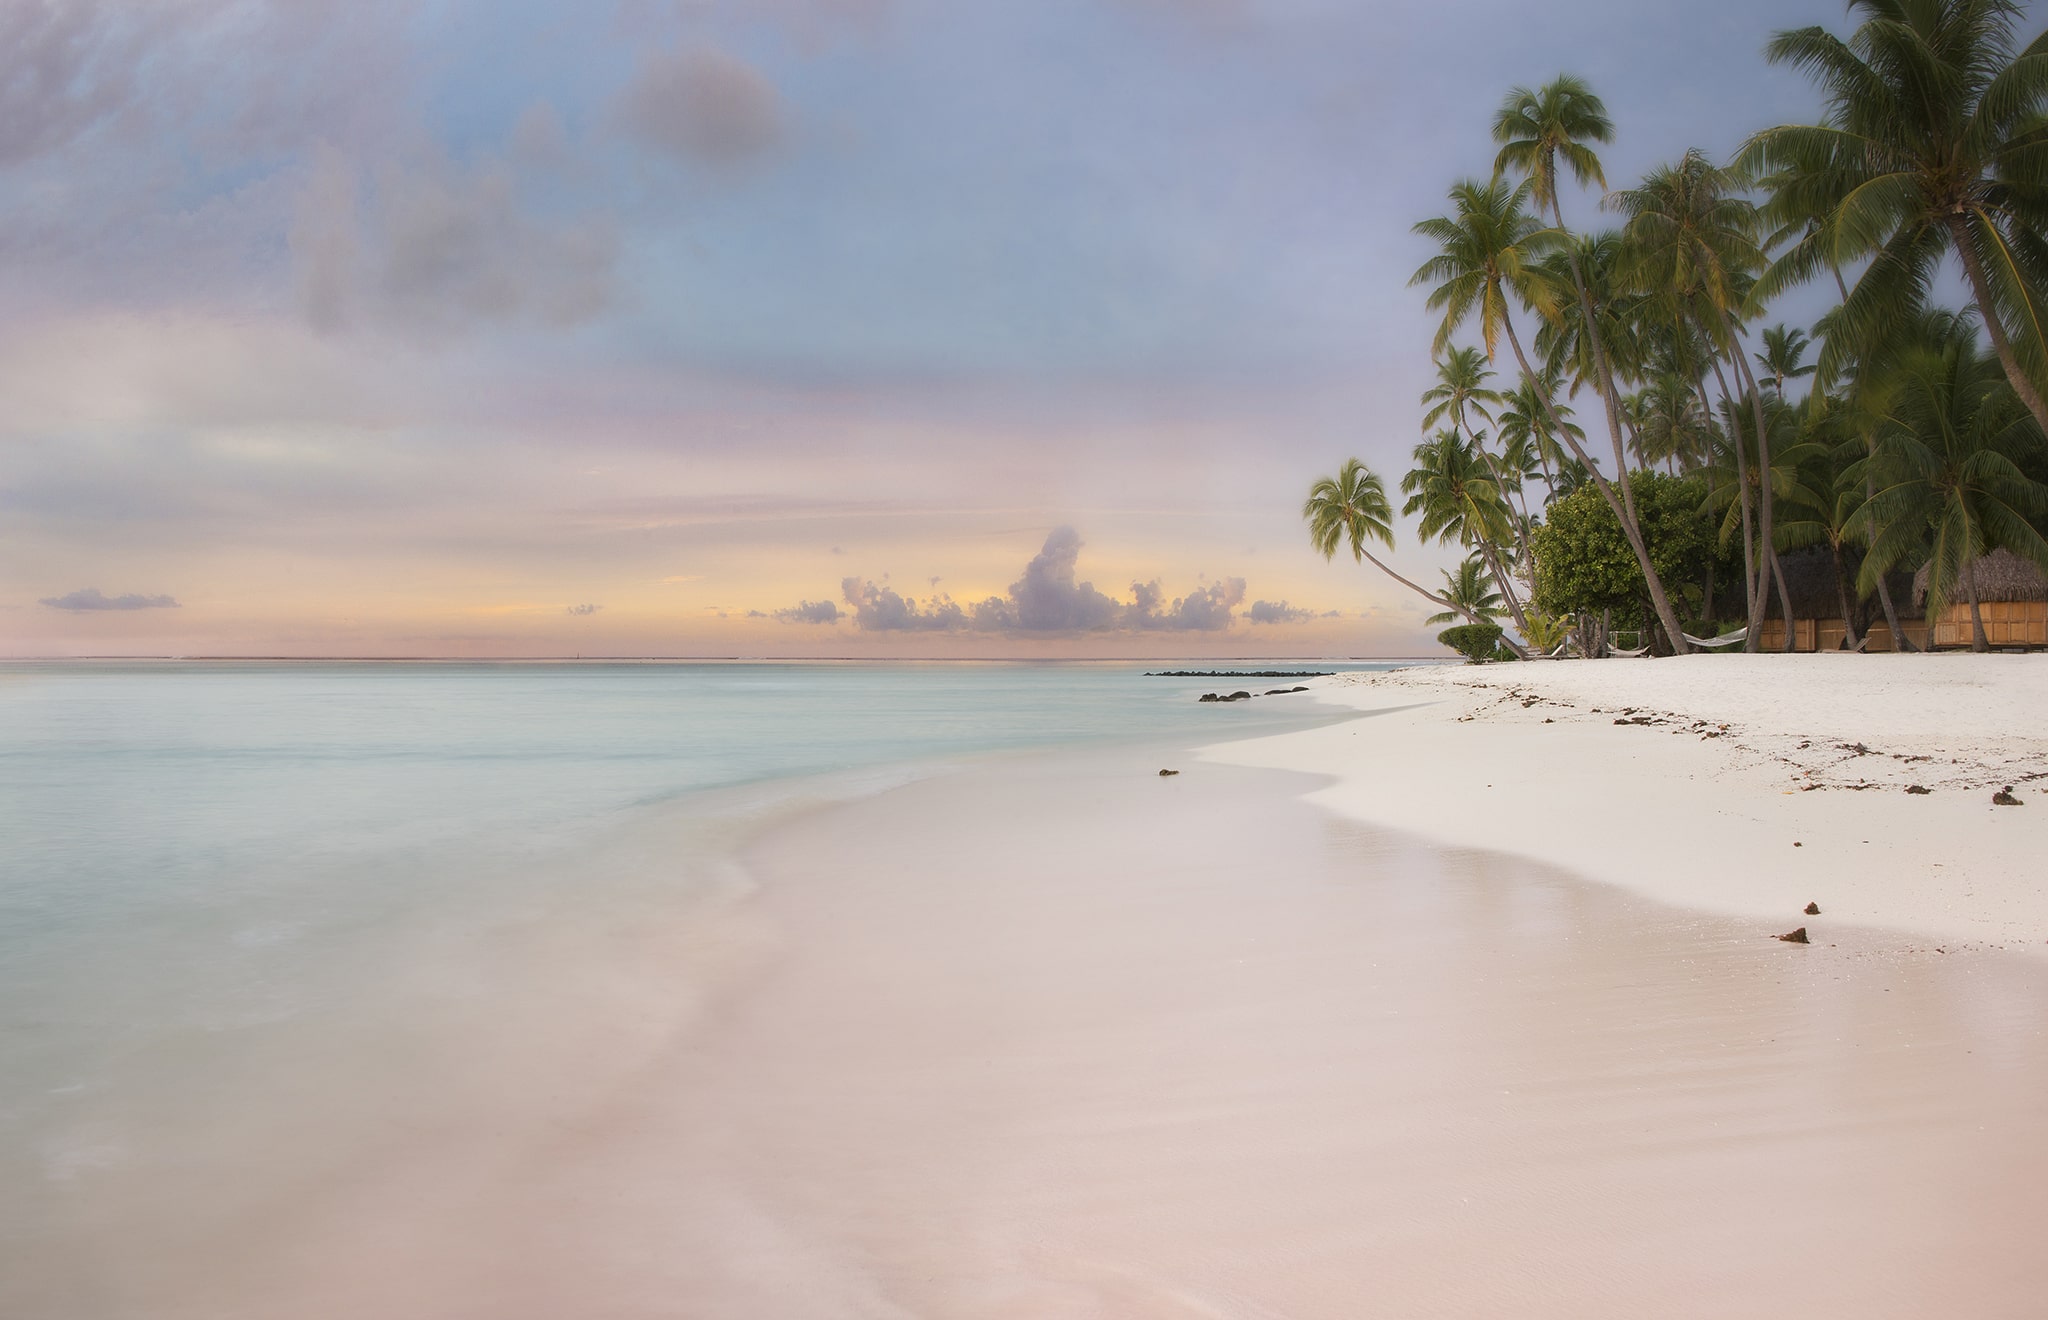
(761, 327)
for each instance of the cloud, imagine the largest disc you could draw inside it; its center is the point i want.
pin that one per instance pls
(1277, 611)
(89, 598)
(68, 67)
(809, 611)
(880, 609)
(1205, 610)
(583, 609)
(703, 106)
(439, 246)
(1046, 600)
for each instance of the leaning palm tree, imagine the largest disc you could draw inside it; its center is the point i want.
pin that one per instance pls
(1352, 509)
(1488, 256)
(1932, 143)
(1472, 588)
(1944, 469)
(1453, 493)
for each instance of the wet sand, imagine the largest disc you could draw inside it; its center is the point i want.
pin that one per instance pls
(1054, 1037)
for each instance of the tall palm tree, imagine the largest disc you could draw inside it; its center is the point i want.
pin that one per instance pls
(1671, 425)
(1932, 143)
(1691, 236)
(1453, 493)
(1488, 252)
(1460, 391)
(1784, 356)
(1352, 509)
(1538, 130)
(1526, 420)
(1944, 469)
(1472, 588)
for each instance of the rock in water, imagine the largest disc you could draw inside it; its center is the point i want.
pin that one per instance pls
(1210, 696)
(1812, 909)
(1164, 773)
(2004, 798)
(1796, 936)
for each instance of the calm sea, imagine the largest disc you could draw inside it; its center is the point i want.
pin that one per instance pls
(247, 907)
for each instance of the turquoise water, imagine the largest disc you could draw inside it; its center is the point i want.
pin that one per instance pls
(217, 878)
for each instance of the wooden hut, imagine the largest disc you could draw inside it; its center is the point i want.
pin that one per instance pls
(1817, 598)
(2012, 597)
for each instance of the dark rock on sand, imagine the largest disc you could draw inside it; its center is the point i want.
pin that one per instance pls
(2004, 798)
(1164, 773)
(1812, 909)
(1796, 936)
(1916, 788)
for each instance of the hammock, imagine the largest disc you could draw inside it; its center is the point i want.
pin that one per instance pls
(1612, 649)
(1729, 639)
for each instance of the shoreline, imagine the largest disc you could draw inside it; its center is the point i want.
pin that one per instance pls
(1742, 786)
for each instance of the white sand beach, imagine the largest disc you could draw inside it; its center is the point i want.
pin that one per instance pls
(1748, 785)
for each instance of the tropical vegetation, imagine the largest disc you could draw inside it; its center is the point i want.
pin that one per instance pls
(1620, 427)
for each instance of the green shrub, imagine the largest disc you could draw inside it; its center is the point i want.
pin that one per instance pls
(1474, 641)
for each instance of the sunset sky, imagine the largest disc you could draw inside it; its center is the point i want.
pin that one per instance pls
(499, 328)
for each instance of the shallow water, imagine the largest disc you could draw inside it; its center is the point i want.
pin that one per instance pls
(264, 928)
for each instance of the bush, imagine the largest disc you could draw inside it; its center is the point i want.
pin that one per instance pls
(1474, 641)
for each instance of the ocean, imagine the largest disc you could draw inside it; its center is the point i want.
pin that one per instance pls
(263, 924)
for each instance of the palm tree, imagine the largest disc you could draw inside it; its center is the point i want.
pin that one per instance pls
(1351, 509)
(1670, 423)
(1692, 239)
(1820, 504)
(1932, 142)
(1944, 469)
(1489, 248)
(1455, 494)
(1460, 391)
(1526, 421)
(1471, 588)
(1538, 129)
(1784, 356)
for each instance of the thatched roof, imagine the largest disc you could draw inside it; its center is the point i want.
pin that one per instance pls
(2001, 575)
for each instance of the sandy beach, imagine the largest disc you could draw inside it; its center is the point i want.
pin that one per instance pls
(1743, 785)
(1087, 1042)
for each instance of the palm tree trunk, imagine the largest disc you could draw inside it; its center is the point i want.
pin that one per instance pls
(1749, 577)
(1603, 380)
(1978, 641)
(1841, 594)
(1521, 524)
(1507, 591)
(1900, 642)
(1765, 495)
(1622, 513)
(1980, 289)
(1421, 591)
(1432, 597)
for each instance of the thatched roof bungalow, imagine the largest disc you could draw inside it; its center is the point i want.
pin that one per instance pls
(2012, 596)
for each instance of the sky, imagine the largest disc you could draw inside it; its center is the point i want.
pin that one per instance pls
(753, 327)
